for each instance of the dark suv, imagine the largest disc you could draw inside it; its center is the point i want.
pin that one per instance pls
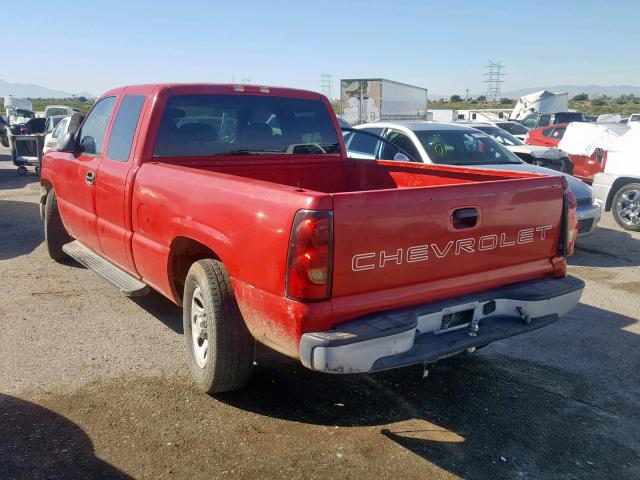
(538, 120)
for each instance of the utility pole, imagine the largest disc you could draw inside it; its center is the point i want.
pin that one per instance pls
(494, 74)
(325, 85)
(466, 95)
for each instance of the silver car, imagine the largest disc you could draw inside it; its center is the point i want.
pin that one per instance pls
(452, 144)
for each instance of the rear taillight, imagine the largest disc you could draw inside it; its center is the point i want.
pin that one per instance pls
(570, 220)
(310, 256)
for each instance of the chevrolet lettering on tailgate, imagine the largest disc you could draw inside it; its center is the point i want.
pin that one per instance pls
(420, 253)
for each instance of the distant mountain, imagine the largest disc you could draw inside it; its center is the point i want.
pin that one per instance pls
(591, 90)
(25, 90)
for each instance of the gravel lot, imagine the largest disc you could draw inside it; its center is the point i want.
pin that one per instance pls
(94, 385)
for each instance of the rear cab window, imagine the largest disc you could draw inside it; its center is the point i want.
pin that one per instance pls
(204, 125)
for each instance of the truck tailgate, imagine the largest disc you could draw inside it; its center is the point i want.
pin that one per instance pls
(386, 239)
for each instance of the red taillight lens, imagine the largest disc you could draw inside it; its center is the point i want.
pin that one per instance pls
(570, 217)
(310, 256)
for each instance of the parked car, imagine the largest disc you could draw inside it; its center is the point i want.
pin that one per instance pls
(349, 265)
(617, 188)
(548, 157)
(586, 144)
(59, 110)
(514, 128)
(538, 120)
(454, 144)
(53, 139)
(546, 136)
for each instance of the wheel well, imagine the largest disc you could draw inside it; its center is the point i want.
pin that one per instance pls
(617, 185)
(185, 252)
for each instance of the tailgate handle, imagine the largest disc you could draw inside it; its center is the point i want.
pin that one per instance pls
(464, 218)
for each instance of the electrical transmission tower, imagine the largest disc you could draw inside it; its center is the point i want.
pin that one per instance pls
(325, 85)
(494, 75)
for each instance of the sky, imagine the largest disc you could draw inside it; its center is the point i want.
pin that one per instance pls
(90, 45)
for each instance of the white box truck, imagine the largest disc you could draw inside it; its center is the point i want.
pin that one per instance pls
(374, 99)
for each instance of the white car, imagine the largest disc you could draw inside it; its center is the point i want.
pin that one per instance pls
(460, 145)
(617, 189)
(514, 128)
(549, 157)
(65, 125)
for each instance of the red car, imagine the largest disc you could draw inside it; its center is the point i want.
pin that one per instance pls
(239, 204)
(584, 167)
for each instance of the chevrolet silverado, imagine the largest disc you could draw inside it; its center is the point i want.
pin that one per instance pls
(239, 203)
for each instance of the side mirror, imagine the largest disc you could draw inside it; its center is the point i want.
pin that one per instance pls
(401, 157)
(68, 144)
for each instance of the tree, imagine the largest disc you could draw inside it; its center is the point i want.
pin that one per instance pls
(581, 97)
(599, 101)
(82, 99)
(482, 98)
(506, 100)
(455, 98)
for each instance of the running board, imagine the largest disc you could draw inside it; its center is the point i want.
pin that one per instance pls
(128, 285)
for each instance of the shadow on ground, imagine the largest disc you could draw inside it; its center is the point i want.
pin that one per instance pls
(475, 415)
(9, 178)
(38, 443)
(162, 309)
(607, 247)
(20, 228)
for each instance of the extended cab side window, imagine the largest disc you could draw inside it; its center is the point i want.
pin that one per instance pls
(544, 120)
(95, 126)
(124, 127)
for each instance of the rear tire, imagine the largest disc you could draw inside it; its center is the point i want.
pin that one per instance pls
(625, 207)
(218, 344)
(55, 235)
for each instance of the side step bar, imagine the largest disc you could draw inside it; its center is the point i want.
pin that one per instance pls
(128, 285)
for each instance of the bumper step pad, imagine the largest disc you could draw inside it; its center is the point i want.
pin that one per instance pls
(127, 284)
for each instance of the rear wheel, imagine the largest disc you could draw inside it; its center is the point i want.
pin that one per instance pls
(218, 344)
(22, 170)
(626, 207)
(55, 235)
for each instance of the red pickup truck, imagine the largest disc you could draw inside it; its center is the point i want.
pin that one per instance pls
(239, 203)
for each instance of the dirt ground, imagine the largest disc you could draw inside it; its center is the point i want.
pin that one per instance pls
(94, 385)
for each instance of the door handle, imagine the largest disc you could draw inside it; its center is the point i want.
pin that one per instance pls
(90, 177)
(464, 218)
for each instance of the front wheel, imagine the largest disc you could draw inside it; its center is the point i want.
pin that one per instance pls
(55, 235)
(626, 207)
(218, 344)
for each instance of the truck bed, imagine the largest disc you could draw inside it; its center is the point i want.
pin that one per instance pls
(350, 175)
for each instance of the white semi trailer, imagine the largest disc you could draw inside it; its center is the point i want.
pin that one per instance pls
(375, 99)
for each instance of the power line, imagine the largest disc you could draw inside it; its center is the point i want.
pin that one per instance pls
(326, 84)
(494, 75)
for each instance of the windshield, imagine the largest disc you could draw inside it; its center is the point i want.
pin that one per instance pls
(220, 125)
(505, 138)
(513, 128)
(464, 147)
